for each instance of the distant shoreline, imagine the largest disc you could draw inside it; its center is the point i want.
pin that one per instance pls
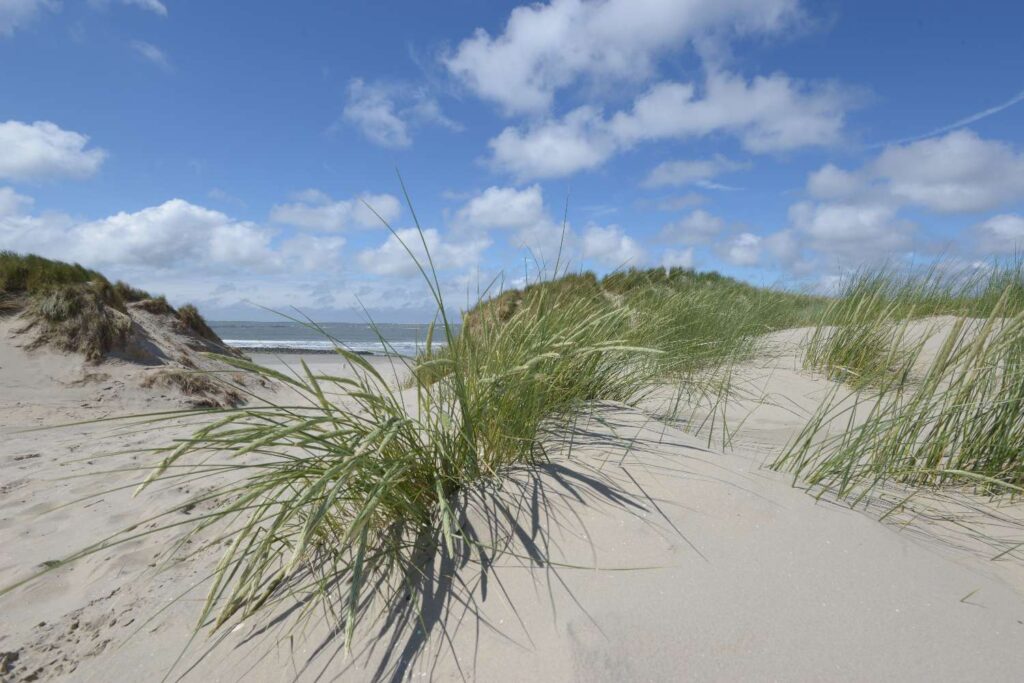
(296, 351)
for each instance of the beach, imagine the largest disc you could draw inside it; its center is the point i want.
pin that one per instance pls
(641, 552)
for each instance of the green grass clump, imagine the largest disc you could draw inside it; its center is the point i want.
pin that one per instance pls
(961, 422)
(30, 274)
(342, 493)
(861, 337)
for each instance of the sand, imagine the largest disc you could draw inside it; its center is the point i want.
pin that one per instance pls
(644, 552)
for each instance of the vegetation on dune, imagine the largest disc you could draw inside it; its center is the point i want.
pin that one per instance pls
(77, 318)
(346, 493)
(76, 309)
(190, 320)
(697, 321)
(960, 421)
(205, 390)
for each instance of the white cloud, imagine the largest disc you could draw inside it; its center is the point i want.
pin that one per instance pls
(744, 249)
(12, 203)
(851, 234)
(174, 236)
(547, 47)
(175, 232)
(152, 53)
(958, 172)
(678, 258)
(768, 114)
(503, 208)
(552, 149)
(611, 247)
(392, 258)
(312, 253)
(690, 172)
(831, 182)
(43, 149)
(1003, 234)
(386, 114)
(16, 14)
(315, 210)
(700, 227)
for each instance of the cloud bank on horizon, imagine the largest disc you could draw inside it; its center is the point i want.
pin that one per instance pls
(709, 134)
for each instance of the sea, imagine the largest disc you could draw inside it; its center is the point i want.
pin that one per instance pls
(291, 337)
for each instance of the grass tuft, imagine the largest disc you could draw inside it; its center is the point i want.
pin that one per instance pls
(961, 422)
(78, 318)
(204, 389)
(190, 321)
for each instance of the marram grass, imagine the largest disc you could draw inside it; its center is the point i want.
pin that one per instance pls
(960, 422)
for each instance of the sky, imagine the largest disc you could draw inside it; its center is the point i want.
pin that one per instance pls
(245, 156)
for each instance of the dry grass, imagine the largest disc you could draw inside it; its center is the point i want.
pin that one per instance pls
(191, 322)
(156, 305)
(204, 390)
(78, 318)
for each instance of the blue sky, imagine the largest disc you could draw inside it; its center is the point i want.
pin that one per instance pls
(222, 152)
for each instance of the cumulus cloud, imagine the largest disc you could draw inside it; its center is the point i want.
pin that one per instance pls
(700, 227)
(849, 233)
(1003, 234)
(547, 47)
(392, 258)
(767, 114)
(175, 232)
(610, 246)
(503, 208)
(152, 53)
(315, 210)
(386, 114)
(856, 217)
(554, 148)
(175, 235)
(958, 172)
(692, 172)
(43, 150)
(15, 14)
(744, 249)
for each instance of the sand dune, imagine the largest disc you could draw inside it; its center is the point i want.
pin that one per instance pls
(640, 553)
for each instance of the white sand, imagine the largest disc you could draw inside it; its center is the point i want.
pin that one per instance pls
(688, 563)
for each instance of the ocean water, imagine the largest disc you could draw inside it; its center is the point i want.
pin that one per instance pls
(289, 337)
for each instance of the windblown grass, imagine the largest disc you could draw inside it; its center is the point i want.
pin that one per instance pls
(77, 317)
(342, 492)
(961, 422)
(191, 321)
(203, 389)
